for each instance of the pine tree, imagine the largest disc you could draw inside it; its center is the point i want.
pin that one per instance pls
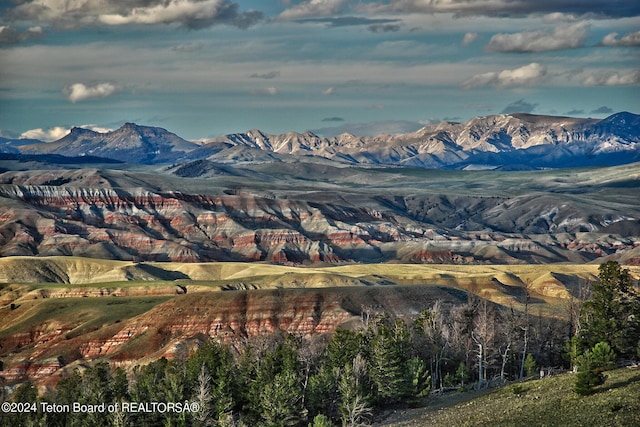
(388, 363)
(591, 365)
(613, 313)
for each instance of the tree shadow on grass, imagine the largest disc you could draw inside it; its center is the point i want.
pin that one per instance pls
(620, 384)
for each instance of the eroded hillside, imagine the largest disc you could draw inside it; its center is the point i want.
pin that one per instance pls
(78, 310)
(313, 213)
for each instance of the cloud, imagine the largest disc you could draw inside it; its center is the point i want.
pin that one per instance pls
(612, 78)
(520, 106)
(575, 112)
(559, 17)
(562, 37)
(313, 8)
(333, 119)
(329, 91)
(80, 92)
(601, 110)
(189, 13)
(384, 28)
(11, 35)
(267, 91)
(50, 134)
(514, 8)
(192, 14)
(631, 39)
(267, 76)
(469, 38)
(524, 76)
(57, 132)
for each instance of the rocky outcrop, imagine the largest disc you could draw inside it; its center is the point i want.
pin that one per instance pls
(230, 317)
(145, 225)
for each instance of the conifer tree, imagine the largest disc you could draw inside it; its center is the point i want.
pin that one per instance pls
(612, 314)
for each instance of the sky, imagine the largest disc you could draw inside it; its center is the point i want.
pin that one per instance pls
(205, 68)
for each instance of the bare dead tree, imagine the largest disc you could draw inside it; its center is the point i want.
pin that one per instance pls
(505, 357)
(483, 336)
(480, 353)
(203, 398)
(525, 328)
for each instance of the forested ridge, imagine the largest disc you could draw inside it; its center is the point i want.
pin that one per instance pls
(350, 377)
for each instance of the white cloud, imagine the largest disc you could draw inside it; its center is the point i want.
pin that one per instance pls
(57, 132)
(613, 78)
(164, 13)
(329, 91)
(80, 92)
(469, 38)
(313, 8)
(559, 17)
(631, 39)
(524, 76)
(562, 37)
(50, 134)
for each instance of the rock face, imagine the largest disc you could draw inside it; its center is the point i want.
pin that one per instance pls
(168, 328)
(319, 214)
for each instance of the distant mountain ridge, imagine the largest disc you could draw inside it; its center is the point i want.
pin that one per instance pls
(130, 143)
(507, 141)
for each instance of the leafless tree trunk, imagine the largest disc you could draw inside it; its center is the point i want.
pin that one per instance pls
(357, 410)
(505, 357)
(525, 329)
(483, 335)
(203, 397)
(480, 352)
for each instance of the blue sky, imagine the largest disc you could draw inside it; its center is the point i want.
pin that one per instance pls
(203, 68)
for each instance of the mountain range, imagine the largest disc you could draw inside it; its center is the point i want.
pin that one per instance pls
(508, 141)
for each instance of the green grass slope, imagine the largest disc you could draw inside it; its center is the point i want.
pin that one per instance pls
(547, 402)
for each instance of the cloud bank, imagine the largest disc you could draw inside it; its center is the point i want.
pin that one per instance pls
(631, 39)
(513, 8)
(192, 14)
(613, 78)
(562, 37)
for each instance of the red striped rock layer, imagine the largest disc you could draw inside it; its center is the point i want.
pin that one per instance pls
(46, 220)
(233, 317)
